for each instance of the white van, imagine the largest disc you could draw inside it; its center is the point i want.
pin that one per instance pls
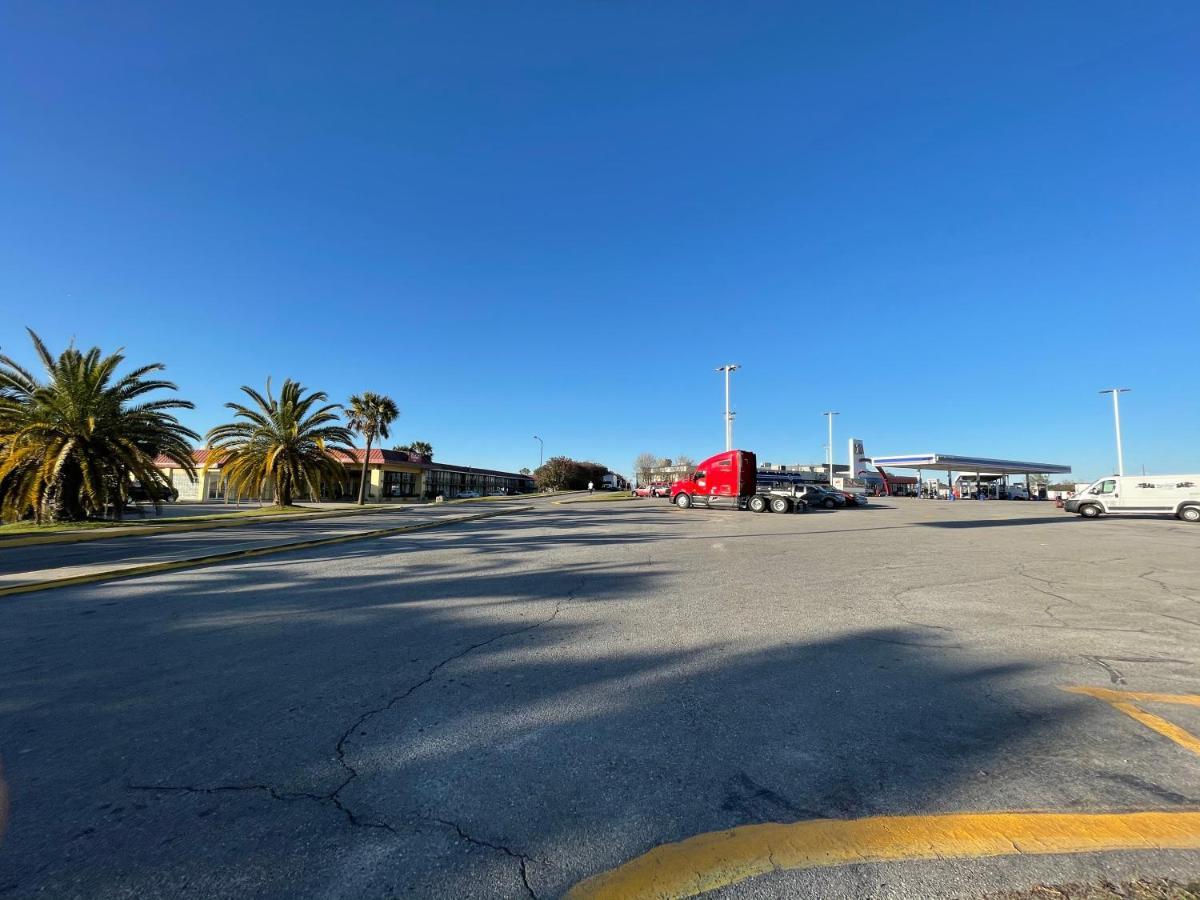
(1175, 494)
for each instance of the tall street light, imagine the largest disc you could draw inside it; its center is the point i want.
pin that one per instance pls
(541, 449)
(829, 416)
(1116, 394)
(727, 368)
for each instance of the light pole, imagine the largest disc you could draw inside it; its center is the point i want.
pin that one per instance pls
(829, 416)
(727, 368)
(541, 449)
(1116, 393)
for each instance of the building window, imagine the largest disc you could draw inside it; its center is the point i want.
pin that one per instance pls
(216, 487)
(399, 484)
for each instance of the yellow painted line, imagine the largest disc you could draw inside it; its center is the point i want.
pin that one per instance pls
(1170, 730)
(1111, 696)
(1123, 701)
(120, 531)
(721, 858)
(214, 558)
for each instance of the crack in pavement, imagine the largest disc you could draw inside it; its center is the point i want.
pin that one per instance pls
(521, 858)
(340, 748)
(332, 798)
(273, 792)
(1115, 674)
(1145, 576)
(1066, 601)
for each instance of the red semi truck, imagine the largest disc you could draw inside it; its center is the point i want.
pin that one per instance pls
(730, 479)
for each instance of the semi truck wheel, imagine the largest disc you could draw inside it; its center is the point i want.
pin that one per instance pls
(1190, 514)
(1090, 511)
(757, 504)
(780, 505)
(683, 501)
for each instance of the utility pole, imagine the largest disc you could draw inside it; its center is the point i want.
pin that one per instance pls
(829, 415)
(1116, 394)
(541, 449)
(727, 368)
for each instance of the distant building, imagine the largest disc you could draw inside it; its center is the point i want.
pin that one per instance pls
(668, 473)
(819, 470)
(614, 482)
(391, 475)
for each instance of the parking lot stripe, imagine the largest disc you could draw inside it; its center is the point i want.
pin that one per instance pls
(720, 858)
(1111, 696)
(1123, 701)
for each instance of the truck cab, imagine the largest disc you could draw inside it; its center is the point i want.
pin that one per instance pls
(725, 479)
(1178, 495)
(730, 479)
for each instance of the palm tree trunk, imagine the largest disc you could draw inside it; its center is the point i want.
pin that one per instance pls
(362, 482)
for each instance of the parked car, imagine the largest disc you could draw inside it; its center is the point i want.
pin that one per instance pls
(653, 489)
(820, 495)
(139, 493)
(853, 499)
(468, 495)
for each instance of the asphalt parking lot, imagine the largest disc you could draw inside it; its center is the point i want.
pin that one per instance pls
(514, 706)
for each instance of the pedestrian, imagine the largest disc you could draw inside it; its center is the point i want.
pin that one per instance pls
(590, 487)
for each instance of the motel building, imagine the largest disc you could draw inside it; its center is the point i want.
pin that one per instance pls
(391, 474)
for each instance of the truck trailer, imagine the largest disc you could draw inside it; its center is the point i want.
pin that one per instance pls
(730, 480)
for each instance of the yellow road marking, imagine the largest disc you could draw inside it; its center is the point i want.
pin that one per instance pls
(1123, 701)
(720, 858)
(1111, 696)
(214, 558)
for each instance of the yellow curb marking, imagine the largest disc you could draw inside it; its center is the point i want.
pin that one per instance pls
(720, 858)
(1123, 701)
(214, 558)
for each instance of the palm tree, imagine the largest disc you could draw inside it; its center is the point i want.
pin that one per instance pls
(283, 442)
(421, 448)
(72, 445)
(370, 414)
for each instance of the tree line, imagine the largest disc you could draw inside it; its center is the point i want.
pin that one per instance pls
(561, 473)
(75, 442)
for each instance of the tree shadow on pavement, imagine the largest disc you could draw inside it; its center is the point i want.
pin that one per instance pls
(437, 727)
(996, 523)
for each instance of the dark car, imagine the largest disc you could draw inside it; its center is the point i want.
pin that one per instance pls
(139, 493)
(820, 495)
(853, 499)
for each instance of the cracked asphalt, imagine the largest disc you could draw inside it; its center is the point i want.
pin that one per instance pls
(506, 707)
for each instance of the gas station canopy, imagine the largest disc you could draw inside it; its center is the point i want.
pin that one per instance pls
(944, 462)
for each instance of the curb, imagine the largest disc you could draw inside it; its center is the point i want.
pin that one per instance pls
(194, 562)
(118, 531)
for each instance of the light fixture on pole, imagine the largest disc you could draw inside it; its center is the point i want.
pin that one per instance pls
(829, 415)
(1116, 394)
(727, 368)
(541, 449)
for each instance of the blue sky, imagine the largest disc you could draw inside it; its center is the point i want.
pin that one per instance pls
(953, 223)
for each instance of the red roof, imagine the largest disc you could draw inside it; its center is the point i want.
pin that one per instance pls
(378, 457)
(199, 457)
